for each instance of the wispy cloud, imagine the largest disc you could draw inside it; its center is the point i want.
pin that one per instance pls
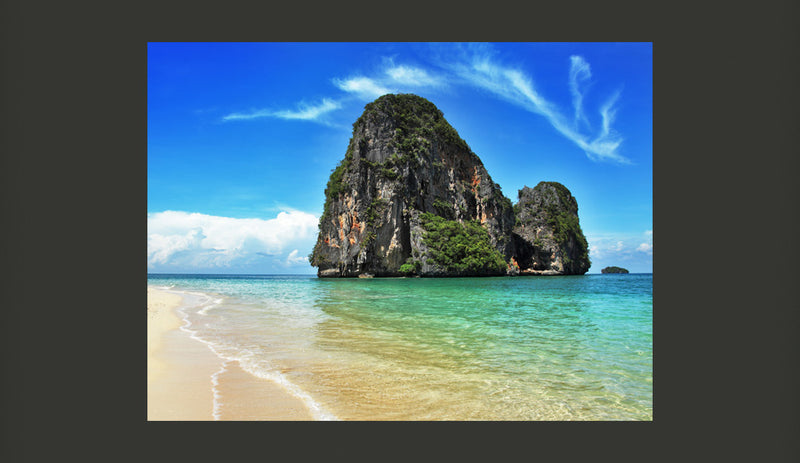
(579, 72)
(604, 146)
(479, 69)
(307, 112)
(392, 78)
(255, 114)
(304, 112)
(476, 65)
(362, 86)
(413, 76)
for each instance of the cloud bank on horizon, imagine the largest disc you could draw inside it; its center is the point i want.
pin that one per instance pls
(474, 65)
(182, 241)
(605, 250)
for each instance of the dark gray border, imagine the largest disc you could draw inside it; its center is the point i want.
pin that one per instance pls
(74, 195)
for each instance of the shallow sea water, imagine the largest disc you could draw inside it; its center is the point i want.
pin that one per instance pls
(506, 348)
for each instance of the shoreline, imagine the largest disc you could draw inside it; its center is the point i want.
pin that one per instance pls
(413, 351)
(187, 381)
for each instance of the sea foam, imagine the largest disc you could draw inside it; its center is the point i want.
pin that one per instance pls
(217, 409)
(201, 303)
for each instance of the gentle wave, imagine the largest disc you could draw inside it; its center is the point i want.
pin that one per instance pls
(217, 409)
(572, 348)
(162, 288)
(208, 302)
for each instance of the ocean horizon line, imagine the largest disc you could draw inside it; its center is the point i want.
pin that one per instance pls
(315, 275)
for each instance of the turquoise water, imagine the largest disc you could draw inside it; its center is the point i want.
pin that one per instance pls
(506, 348)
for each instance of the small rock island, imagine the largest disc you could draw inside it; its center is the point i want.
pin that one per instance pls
(410, 198)
(614, 269)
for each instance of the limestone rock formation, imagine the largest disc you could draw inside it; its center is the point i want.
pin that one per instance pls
(614, 269)
(411, 198)
(547, 236)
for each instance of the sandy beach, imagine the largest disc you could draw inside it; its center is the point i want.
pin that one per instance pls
(183, 375)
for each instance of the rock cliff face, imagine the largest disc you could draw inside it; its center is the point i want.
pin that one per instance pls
(409, 194)
(547, 235)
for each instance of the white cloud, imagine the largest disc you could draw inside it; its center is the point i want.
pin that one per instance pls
(362, 86)
(523, 86)
(307, 112)
(621, 249)
(601, 245)
(293, 258)
(160, 247)
(579, 72)
(304, 112)
(619, 245)
(608, 113)
(647, 246)
(477, 68)
(475, 65)
(200, 241)
(412, 76)
(255, 114)
(394, 78)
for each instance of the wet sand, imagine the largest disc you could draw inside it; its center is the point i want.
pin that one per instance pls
(182, 371)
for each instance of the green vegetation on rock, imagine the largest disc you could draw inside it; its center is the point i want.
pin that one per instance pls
(404, 153)
(418, 122)
(375, 208)
(389, 173)
(565, 223)
(336, 184)
(411, 266)
(614, 269)
(460, 247)
(443, 208)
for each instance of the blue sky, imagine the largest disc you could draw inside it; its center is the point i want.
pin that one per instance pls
(243, 136)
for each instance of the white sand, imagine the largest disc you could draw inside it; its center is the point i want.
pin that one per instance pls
(180, 370)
